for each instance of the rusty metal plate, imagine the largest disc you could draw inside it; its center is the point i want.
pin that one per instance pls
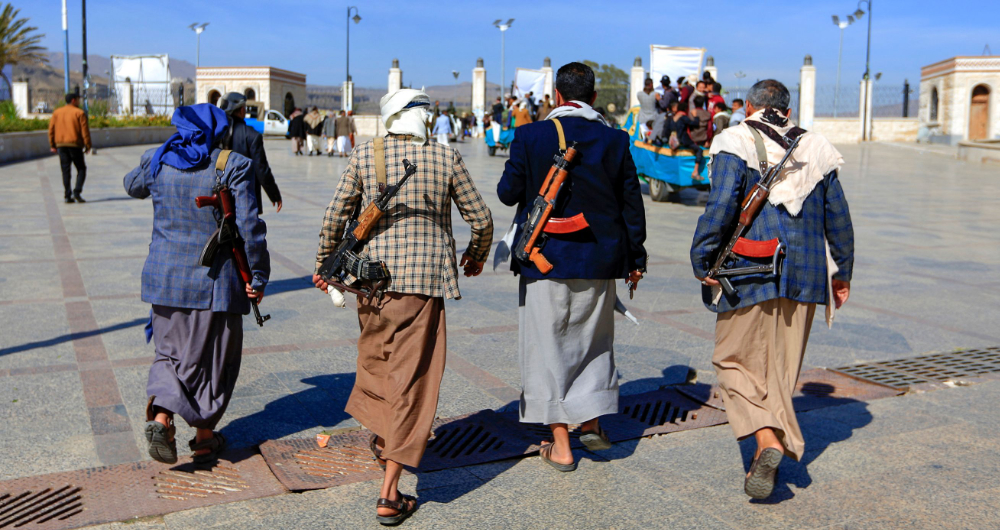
(933, 368)
(128, 491)
(819, 388)
(667, 410)
(300, 464)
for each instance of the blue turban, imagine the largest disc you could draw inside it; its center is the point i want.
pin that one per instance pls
(198, 129)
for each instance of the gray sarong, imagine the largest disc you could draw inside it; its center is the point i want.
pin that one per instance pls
(566, 348)
(197, 362)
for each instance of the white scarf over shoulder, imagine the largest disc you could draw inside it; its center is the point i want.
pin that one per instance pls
(813, 159)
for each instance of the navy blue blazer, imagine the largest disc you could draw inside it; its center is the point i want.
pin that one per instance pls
(602, 185)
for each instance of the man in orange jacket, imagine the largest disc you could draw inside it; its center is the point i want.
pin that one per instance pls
(69, 135)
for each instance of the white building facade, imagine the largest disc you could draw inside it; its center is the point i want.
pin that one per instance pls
(958, 100)
(280, 90)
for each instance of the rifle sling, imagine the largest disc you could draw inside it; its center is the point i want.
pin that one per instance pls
(220, 163)
(562, 136)
(379, 145)
(758, 142)
(784, 141)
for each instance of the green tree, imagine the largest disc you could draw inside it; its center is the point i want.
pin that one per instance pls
(18, 41)
(612, 86)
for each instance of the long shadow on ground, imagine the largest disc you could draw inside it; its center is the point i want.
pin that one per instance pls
(72, 336)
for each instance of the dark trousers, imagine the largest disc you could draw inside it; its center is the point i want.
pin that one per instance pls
(74, 156)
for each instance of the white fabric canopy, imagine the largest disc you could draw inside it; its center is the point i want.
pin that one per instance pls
(526, 80)
(674, 61)
(150, 78)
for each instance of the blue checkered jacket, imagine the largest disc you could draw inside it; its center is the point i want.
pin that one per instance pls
(803, 276)
(172, 275)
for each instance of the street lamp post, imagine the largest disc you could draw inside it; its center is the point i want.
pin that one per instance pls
(198, 29)
(868, 55)
(739, 77)
(66, 55)
(503, 30)
(349, 105)
(840, 54)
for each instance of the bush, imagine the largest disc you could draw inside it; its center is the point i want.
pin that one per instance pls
(99, 118)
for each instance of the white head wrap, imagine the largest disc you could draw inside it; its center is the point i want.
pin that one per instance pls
(401, 120)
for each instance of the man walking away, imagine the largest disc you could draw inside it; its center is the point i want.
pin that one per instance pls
(196, 321)
(297, 131)
(545, 109)
(250, 143)
(314, 131)
(761, 331)
(442, 128)
(401, 349)
(330, 132)
(69, 135)
(739, 113)
(566, 324)
(344, 130)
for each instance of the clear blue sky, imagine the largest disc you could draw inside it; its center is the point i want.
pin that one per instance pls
(761, 38)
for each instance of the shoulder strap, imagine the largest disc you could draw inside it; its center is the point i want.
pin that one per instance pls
(379, 145)
(220, 163)
(758, 142)
(559, 131)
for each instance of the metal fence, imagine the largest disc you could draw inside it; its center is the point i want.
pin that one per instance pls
(894, 101)
(834, 103)
(741, 93)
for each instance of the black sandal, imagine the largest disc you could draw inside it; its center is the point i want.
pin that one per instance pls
(402, 506)
(376, 452)
(215, 445)
(595, 440)
(760, 482)
(161, 438)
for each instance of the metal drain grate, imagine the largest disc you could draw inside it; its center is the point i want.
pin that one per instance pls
(301, 465)
(668, 410)
(335, 461)
(932, 368)
(19, 509)
(485, 436)
(178, 485)
(452, 442)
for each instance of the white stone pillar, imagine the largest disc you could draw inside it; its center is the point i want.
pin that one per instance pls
(865, 110)
(807, 93)
(549, 89)
(20, 96)
(711, 69)
(635, 80)
(125, 99)
(395, 77)
(347, 95)
(479, 95)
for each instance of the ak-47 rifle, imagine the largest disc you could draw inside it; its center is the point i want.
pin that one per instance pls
(227, 234)
(751, 206)
(528, 247)
(345, 261)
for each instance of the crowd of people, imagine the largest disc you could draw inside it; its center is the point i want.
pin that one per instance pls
(686, 116)
(309, 129)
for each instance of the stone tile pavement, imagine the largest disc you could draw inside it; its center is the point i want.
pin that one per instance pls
(73, 361)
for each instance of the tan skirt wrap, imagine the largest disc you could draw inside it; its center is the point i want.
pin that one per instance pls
(758, 356)
(401, 359)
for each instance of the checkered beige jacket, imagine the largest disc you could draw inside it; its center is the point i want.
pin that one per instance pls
(414, 237)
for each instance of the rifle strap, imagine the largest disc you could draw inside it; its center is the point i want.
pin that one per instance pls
(220, 163)
(758, 142)
(379, 146)
(562, 136)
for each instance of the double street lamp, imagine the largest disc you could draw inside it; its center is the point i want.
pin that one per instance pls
(503, 27)
(842, 24)
(198, 29)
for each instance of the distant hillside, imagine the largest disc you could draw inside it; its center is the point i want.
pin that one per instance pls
(366, 99)
(99, 65)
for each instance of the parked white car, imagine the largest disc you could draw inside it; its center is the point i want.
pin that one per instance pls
(273, 122)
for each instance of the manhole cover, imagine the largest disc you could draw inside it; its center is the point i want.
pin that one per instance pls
(300, 464)
(127, 491)
(932, 368)
(485, 436)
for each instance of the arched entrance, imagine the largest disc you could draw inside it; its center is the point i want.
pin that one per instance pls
(213, 97)
(289, 104)
(250, 94)
(979, 113)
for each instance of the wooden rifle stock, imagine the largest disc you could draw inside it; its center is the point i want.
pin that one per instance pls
(367, 220)
(557, 175)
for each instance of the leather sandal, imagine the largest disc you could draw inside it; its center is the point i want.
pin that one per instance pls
(215, 445)
(160, 437)
(376, 452)
(595, 440)
(402, 506)
(760, 482)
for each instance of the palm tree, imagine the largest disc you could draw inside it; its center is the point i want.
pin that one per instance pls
(18, 41)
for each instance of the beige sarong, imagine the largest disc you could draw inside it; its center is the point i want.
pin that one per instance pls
(401, 359)
(758, 356)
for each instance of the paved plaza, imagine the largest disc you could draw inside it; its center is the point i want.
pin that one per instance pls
(74, 361)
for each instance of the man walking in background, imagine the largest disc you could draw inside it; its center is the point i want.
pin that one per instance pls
(330, 132)
(344, 130)
(69, 135)
(442, 128)
(246, 141)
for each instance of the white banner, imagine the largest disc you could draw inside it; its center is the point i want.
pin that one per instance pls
(150, 79)
(526, 80)
(675, 62)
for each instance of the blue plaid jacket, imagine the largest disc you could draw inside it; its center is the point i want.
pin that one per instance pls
(803, 276)
(172, 275)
